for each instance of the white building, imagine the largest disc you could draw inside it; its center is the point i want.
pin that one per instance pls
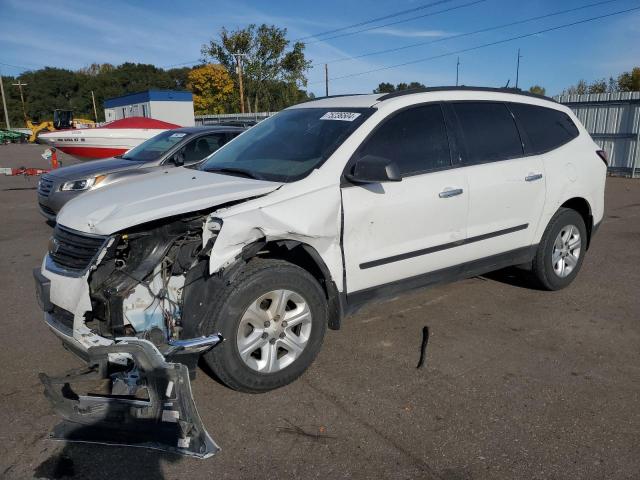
(166, 105)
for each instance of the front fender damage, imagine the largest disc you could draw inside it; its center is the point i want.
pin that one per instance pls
(148, 403)
(313, 218)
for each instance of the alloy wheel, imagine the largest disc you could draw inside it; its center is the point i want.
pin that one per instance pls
(274, 331)
(566, 251)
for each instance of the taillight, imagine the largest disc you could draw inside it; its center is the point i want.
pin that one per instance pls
(603, 155)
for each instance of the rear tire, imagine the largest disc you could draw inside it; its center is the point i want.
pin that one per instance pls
(561, 250)
(272, 317)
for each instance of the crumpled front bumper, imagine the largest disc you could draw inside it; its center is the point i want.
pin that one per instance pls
(130, 393)
(147, 403)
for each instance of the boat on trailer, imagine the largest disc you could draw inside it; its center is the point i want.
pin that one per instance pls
(109, 140)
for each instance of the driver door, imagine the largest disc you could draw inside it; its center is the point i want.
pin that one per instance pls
(398, 230)
(202, 147)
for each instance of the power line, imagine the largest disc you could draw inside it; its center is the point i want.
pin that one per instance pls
(410, 19)
(457, 7)
(370, 28)
(467, 34)
(484, 45)
(372, 20)
(191, 62)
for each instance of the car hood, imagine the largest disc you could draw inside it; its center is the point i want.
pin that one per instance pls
(93, 168)
(160, 194)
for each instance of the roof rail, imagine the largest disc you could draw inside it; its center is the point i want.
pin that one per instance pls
(463, 88)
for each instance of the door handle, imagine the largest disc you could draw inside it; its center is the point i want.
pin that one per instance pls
(450, 192)
(532, 177)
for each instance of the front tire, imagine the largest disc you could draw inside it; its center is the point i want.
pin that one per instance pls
(272, 317)
(561, 250)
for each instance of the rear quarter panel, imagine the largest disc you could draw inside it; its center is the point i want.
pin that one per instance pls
(574, 170)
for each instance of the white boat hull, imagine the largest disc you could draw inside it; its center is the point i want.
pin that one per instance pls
(97, 142)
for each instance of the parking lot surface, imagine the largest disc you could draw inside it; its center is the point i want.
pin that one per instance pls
(518, 383)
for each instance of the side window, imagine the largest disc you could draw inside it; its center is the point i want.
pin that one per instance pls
(202, 147)
(416, 139)
(489, 132)
(546, 128)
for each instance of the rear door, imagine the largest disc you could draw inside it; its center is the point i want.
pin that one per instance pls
(397, 230)
(506, 188)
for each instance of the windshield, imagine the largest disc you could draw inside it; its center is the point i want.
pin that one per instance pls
(287, 146)
(155, 147)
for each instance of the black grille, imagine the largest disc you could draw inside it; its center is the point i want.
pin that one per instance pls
(73, 250)
(46, 209)
(44, 186)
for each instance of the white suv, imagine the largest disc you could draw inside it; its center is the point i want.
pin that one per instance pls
(325, 206)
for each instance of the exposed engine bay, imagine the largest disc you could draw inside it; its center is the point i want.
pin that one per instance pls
(139, 287)
(136, 391)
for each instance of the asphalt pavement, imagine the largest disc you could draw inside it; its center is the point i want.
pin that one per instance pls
(517, 383)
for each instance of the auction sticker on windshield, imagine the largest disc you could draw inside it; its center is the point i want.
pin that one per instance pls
(177, 135)
(344, 116)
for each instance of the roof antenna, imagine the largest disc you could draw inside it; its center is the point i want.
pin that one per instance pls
(507, 85)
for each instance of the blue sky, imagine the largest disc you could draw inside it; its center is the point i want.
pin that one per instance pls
(76, 33)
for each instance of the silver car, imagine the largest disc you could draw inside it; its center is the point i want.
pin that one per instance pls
(181, 146)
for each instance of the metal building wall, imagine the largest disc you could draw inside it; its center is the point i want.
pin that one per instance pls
(613, 120)
(232, 118)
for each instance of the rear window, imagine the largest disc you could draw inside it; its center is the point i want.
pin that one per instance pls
(546, 128)
(489, 132)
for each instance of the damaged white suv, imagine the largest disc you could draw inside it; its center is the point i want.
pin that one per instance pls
(315, 211)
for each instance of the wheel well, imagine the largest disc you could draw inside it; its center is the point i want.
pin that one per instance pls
(306, 257)
(581, 206)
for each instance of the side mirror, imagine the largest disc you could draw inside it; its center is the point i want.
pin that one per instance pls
(178, 158)
(372, 169)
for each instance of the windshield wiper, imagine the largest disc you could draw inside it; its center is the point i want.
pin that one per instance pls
(235, 171)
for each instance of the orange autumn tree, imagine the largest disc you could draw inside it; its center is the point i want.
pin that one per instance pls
(211, 86)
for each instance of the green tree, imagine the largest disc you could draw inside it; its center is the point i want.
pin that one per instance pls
(538, 90)
(269, 65)
(415, 85)
(630, 81)
(385, 87)
(51, 88)
(211, 86)
(599, 86)
(579, 89)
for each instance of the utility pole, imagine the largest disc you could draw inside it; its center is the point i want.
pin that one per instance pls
(20, 85)
(95, 112)
(4, 104)
(518, 68)
(238, 57)
(457, 71)
(326, 80)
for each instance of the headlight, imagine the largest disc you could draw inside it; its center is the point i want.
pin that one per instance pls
(84, 184)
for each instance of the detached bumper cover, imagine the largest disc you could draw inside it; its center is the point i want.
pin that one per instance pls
(149, 404)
